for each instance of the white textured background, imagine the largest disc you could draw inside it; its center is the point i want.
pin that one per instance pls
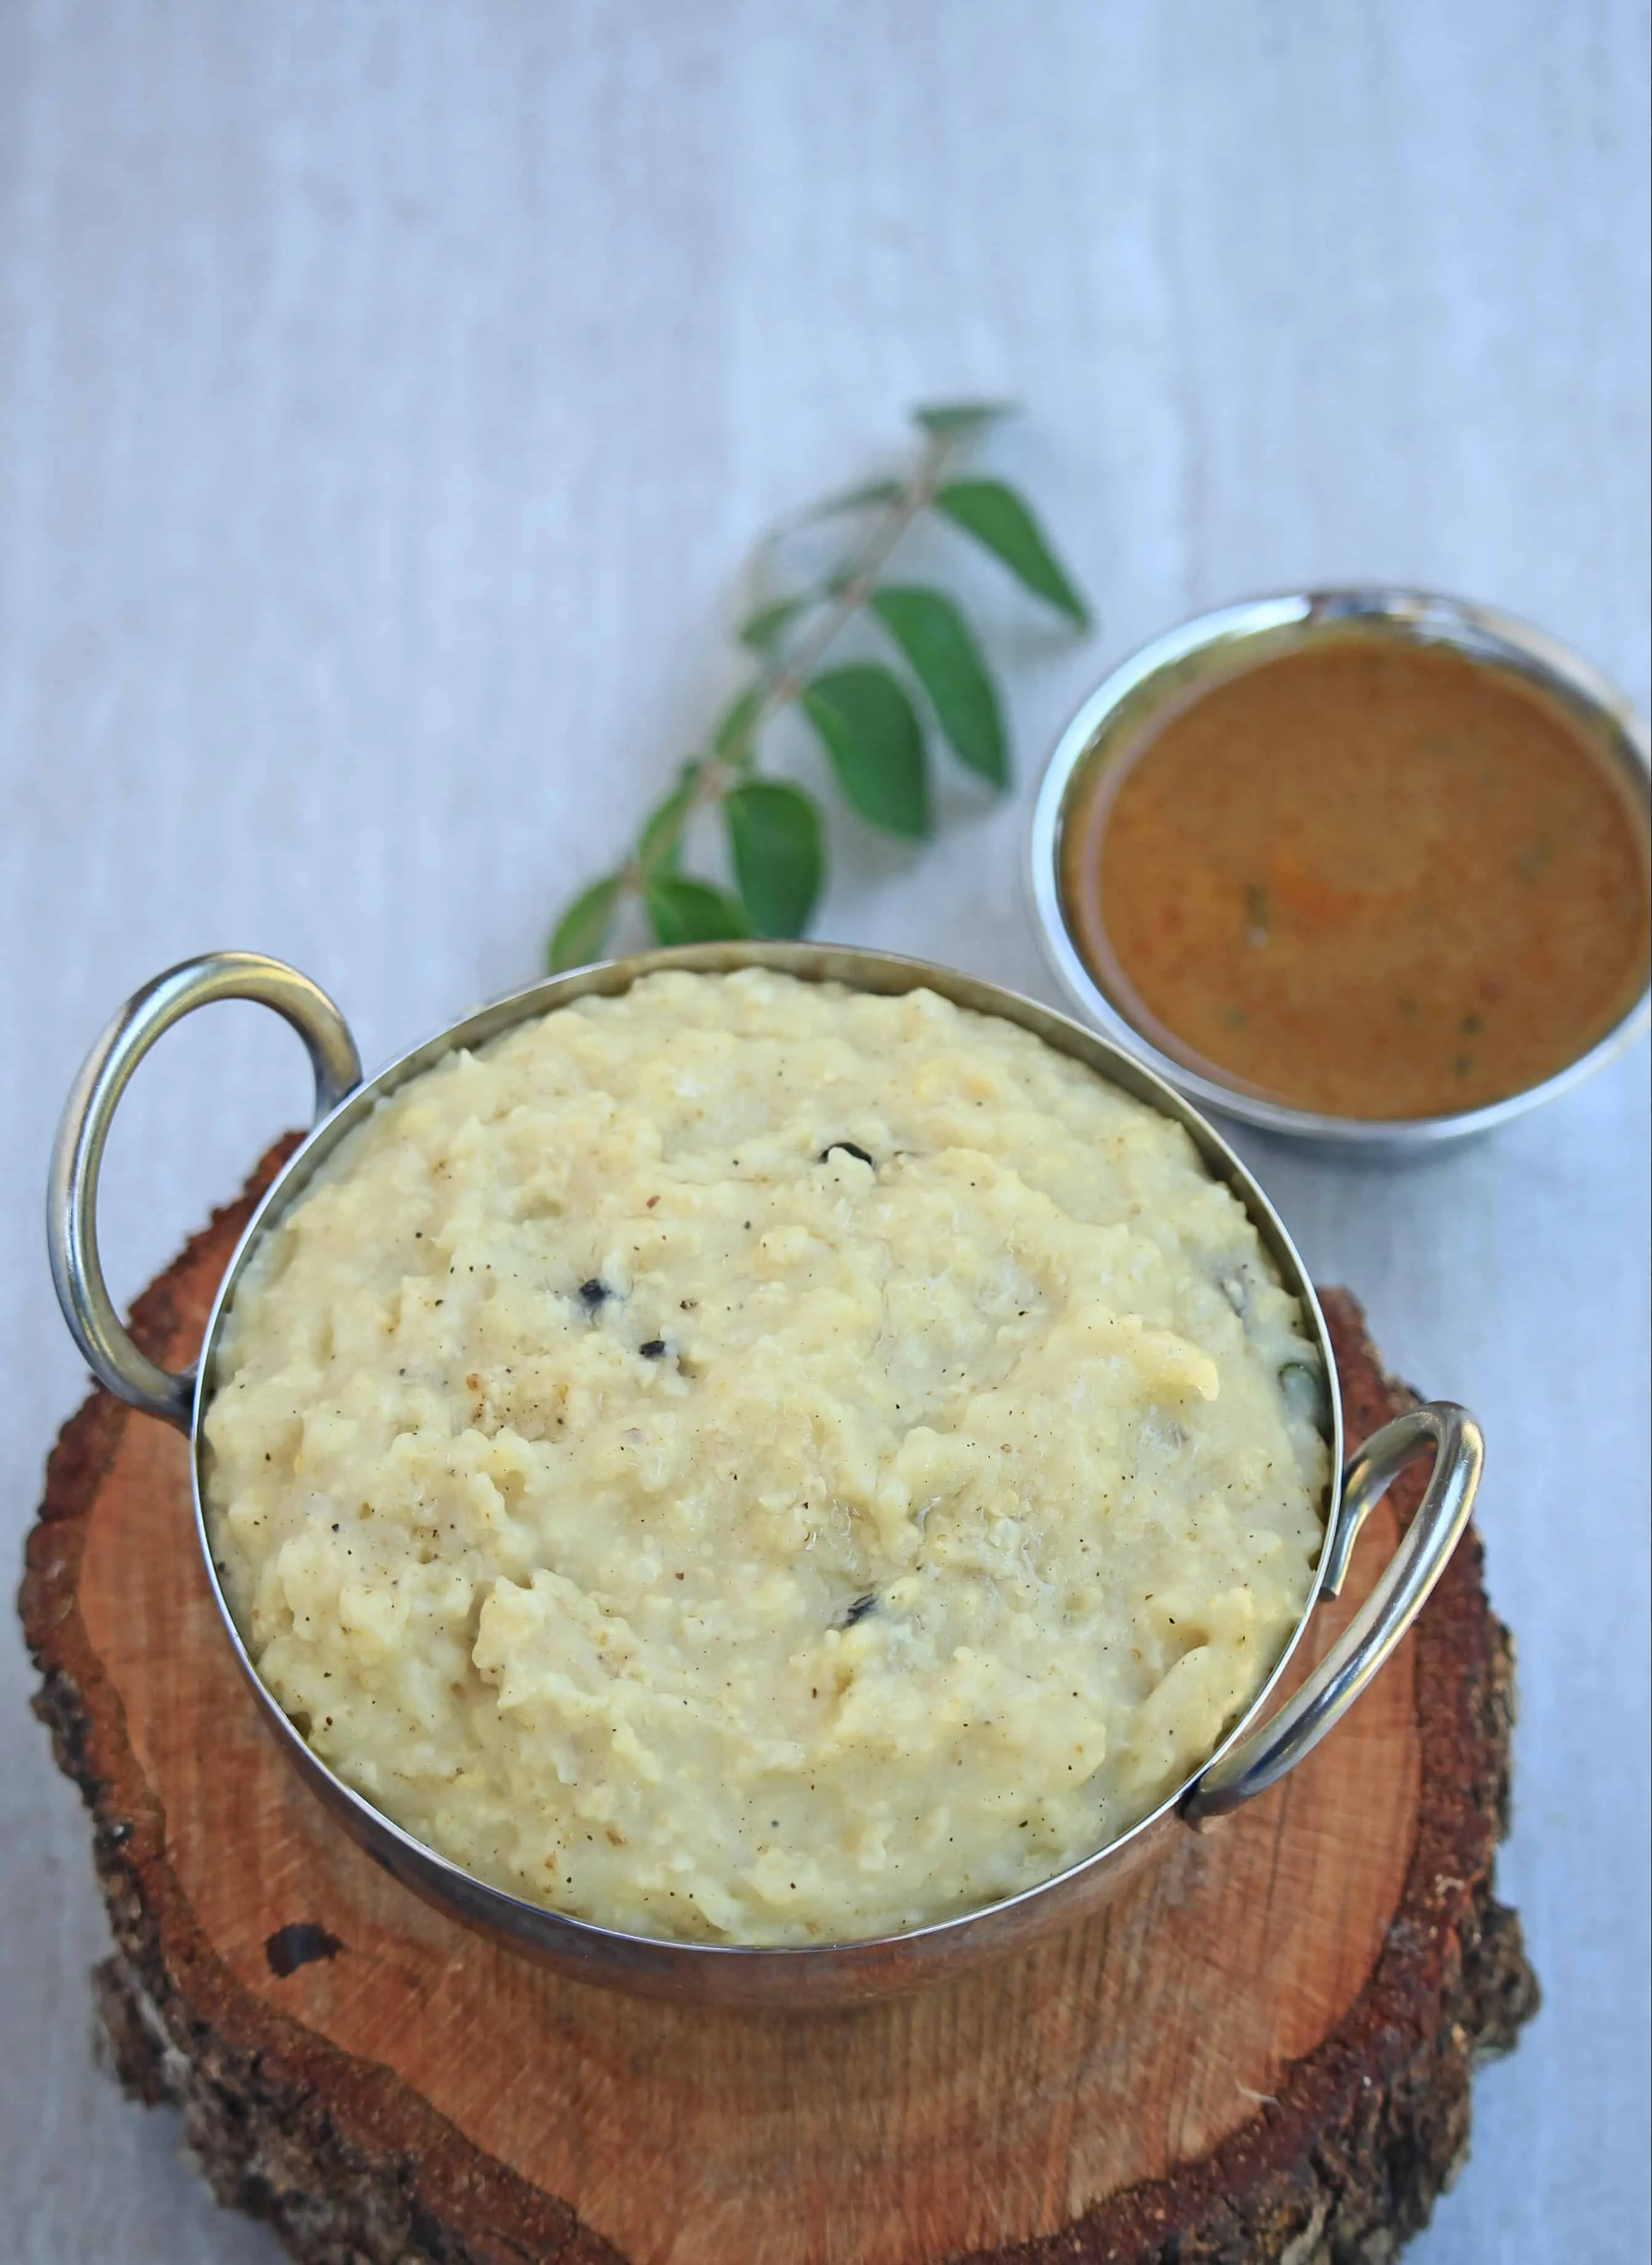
(388, 394)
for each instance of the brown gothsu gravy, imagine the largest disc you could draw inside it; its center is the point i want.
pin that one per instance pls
(1370, 879)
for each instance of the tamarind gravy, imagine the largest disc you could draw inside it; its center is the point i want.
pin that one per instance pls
(1371, 878)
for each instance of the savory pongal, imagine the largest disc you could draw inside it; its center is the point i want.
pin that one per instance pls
(756, 1461)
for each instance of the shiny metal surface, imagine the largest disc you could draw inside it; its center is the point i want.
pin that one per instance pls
(1224, 643)
(832, 1973)
(1262, 1757)
(71, 1202)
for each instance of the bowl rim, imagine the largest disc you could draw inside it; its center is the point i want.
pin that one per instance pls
(779, 1972)
(1282, 623)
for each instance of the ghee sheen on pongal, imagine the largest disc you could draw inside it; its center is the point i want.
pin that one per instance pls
(752, 1461)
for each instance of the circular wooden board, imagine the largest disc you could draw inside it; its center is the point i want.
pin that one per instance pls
(1260, 2051)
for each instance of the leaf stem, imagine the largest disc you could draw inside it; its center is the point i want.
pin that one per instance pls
(787, 682)
(779, 686)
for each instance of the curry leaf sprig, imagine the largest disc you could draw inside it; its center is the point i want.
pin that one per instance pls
(874, 721)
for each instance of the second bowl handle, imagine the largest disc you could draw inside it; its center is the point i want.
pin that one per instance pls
(1264, 1756)
(71, 1209)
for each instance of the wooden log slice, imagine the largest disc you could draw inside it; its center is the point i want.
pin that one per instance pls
(1262, 2051)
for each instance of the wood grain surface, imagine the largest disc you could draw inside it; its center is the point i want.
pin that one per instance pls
(1302, 1986)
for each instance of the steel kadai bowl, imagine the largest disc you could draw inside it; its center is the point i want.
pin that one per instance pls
(1259, 1748)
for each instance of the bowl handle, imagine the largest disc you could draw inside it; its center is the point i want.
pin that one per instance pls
(71, 1203)
(1261, 1757)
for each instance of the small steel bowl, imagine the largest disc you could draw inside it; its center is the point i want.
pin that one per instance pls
(1255, 1753)
(1140, 694)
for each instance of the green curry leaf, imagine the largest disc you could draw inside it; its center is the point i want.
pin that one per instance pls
(1003, 523)
(659, 843)
(945, 657)
(581, 933)
(686, 911)
(962, 420)
(774, 840)
(872, 736)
